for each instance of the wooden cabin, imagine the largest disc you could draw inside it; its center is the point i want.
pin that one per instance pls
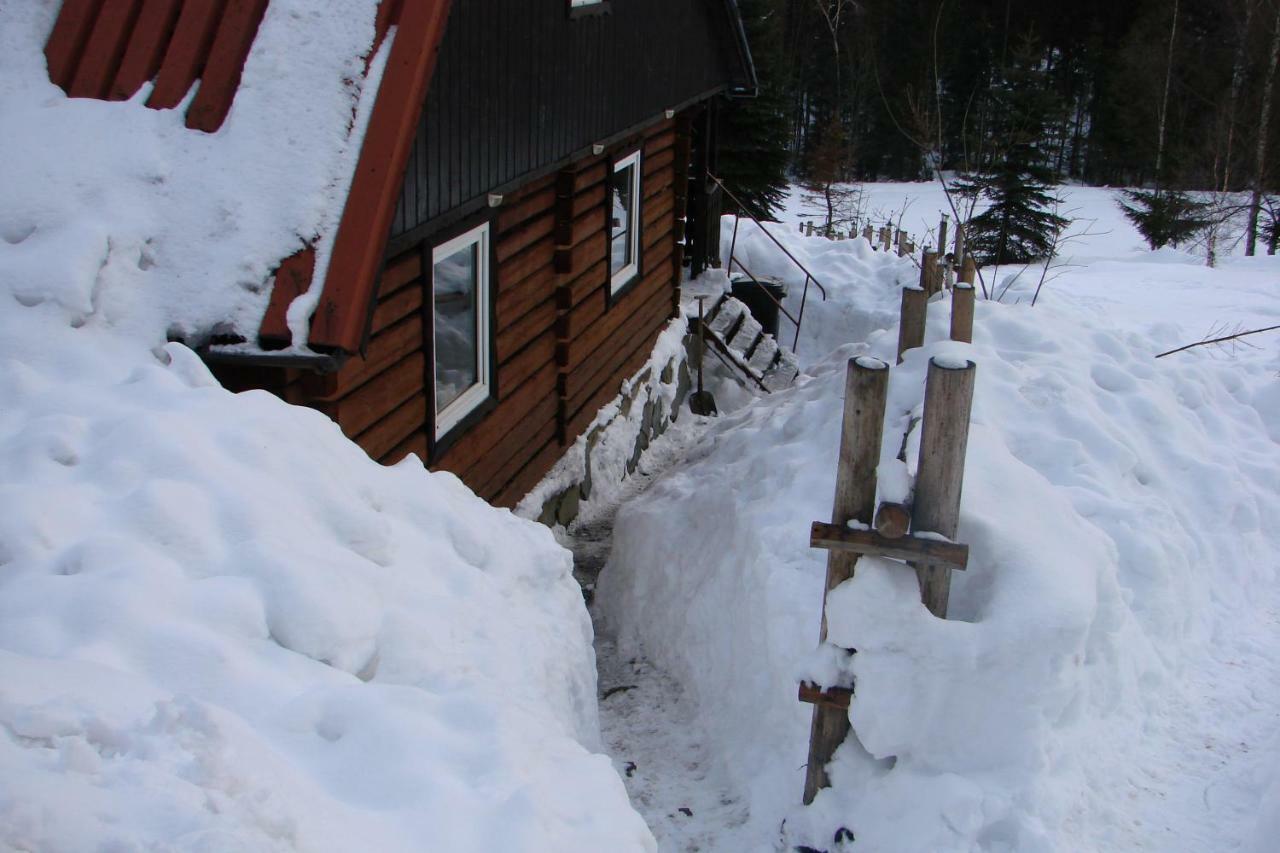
(514, 233)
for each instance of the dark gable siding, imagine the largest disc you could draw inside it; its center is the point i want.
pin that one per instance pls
(520, 86)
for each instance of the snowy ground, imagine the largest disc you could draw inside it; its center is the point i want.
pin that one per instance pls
(1109, 678)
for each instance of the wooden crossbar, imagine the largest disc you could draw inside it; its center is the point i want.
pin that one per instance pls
(830, 697)
(913, 549)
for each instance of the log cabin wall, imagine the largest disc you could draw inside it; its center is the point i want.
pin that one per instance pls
(561, 346)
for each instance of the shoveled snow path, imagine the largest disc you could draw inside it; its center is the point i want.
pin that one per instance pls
(647, 723)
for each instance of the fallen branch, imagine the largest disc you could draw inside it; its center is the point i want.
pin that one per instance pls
(1219, 340)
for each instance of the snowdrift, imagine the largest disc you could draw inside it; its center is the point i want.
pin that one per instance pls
(1097, 685)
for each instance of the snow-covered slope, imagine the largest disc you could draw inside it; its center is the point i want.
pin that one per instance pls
(1110, 674)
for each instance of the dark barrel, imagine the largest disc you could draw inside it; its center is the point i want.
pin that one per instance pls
(755, 295)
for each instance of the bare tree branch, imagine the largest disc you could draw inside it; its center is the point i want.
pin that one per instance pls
(1219, 340)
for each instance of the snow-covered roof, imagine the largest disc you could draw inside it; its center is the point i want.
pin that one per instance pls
(184, 150)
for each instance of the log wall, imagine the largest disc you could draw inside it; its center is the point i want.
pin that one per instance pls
(562, 346)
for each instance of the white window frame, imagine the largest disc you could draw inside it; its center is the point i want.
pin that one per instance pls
(470, 399)
(587, 7)
(624, 275)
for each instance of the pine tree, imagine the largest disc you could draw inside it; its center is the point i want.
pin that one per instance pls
(1164, 217)
(754, 132)
(1019, 224)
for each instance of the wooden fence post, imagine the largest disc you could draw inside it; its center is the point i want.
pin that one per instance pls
(958, 253)
(862, 430)
(944, 438)
(942, 234)
(962, 312)
(928, 265)
(911, 319)
(868, 233)
(969, 271)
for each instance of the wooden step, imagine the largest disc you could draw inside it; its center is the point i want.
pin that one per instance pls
(745, 335)
(764, 355)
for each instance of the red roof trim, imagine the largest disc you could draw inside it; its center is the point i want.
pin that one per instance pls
(340, 318)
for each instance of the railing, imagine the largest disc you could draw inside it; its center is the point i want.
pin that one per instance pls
(808, 276)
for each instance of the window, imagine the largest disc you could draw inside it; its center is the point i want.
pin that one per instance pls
(624, 222)
(460, 326)
(587, 7)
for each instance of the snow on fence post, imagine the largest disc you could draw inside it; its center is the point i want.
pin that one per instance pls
(915, 306)
(944, 438)
(862, 430)
(962, 312)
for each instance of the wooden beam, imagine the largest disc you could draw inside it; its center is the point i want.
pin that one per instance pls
(870, 543)
(944, 437)
(861, 433)
(358, 247)
(837, 698)
(893, 520)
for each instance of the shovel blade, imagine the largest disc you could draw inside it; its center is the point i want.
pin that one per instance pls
(702, 403)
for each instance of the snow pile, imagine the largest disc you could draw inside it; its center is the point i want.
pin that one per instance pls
(153, 224)
(861, 283)
(223, 627)
(1108, 676)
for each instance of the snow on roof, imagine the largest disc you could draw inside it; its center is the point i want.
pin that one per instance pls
(125, 216)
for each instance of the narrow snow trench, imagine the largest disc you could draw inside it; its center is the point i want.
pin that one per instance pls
(648, 724)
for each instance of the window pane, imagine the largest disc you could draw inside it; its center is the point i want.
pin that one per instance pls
(621, 206)
(455, 282)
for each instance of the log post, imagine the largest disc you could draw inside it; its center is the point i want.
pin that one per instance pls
(928, 262)
(944, 438)
(868, 234)
(866, 388)
(958, 254)
(962, 312)
(942, 234)
(915, 306)
(809, 230)
(969, 271)
(886, 237)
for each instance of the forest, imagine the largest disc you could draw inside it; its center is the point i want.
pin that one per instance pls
(1166, 95)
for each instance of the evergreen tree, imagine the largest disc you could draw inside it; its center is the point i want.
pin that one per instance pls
(754, 132)
(1164, 218)
(1018, 225)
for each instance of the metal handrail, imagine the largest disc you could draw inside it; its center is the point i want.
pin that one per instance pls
(808, 276)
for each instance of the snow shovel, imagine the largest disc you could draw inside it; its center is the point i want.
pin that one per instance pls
(701, 402)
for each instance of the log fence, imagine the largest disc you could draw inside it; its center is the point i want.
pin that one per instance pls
(858, 527)
(919, 534)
